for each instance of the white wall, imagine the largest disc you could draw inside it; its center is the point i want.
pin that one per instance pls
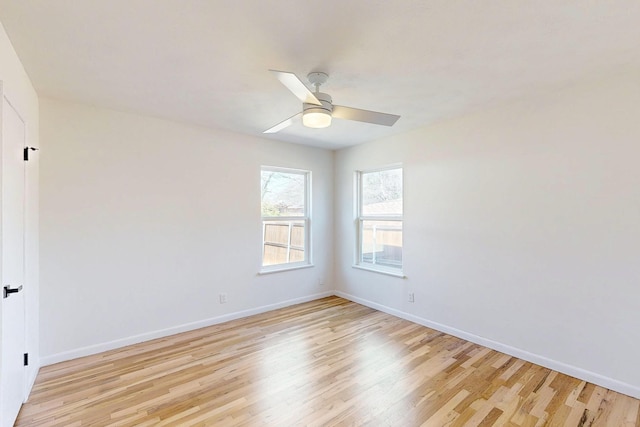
(522, 229)
(145, 221)
(18, 89)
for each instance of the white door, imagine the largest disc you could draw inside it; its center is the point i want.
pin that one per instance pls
(12, 328)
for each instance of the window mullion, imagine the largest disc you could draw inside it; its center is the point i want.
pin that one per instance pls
(289, 242)
(379, 218)
(284, 218)
(375, 245)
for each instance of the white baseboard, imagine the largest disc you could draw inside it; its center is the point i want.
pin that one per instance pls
(32, 374)
(135, 339)
(589, 376)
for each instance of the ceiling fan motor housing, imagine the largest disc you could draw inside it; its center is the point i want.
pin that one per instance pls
(317, 116)
(325, 100)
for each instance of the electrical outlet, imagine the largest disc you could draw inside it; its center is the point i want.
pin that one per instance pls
(223, 298)
(412, 297)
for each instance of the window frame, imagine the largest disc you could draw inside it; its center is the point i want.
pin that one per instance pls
(305, 219)
(360, 218)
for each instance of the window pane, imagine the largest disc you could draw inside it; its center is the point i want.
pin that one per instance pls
(274, 255)
(283, 193)
(382, 192)
(284, 242)
(381, 243)
(276, 232)
(296, 255)
(297, 235)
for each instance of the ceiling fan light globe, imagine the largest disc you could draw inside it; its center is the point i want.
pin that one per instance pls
(316, 118)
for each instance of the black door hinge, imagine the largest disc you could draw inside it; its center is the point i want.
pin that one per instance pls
(26, 359)
(26, 152)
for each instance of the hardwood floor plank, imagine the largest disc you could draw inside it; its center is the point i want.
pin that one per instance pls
(329, 362)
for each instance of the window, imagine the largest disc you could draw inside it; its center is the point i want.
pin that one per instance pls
(285, 218)
(379, 207)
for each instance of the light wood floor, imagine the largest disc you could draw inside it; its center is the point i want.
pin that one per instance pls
(327, 362)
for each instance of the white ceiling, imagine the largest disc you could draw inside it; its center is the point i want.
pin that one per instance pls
(205, 61)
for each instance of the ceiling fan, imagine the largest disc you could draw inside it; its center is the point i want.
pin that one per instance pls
(317, 108)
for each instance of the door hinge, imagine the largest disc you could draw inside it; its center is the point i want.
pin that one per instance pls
(26, 152)
(26, 359)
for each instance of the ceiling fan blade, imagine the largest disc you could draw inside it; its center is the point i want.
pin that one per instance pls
(283, 124)
(293, 83)
(367, 116)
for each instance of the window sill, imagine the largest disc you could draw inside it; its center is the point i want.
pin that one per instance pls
(381, 271)
(282, 268)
